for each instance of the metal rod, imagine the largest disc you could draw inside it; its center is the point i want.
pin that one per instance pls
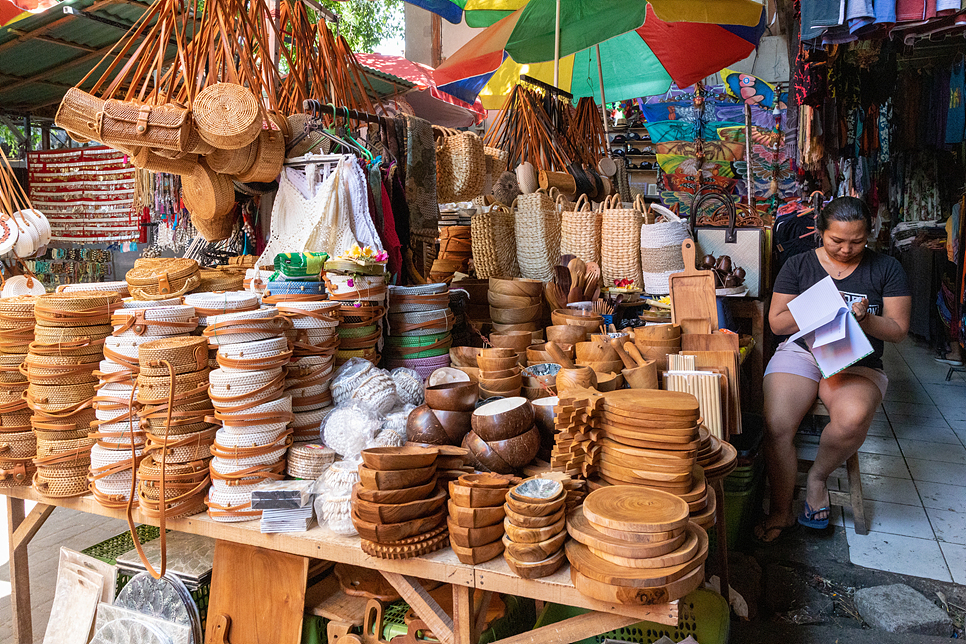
(603, 101)
(314, 106)
(556, 49)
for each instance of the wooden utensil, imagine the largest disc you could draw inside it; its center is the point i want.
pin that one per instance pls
(398, 512)
(559, 356)
(576, 378)
(398, 458)
(692, 292)
(642, 377)
(534, 552)
(527, 521)
(388, 532)
(404, 495)
(618, 347)
(634, 354)
(476, 497)
(535, 509)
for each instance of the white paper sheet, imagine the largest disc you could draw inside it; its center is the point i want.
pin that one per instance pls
(829, 329)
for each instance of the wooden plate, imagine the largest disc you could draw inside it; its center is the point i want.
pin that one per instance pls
(671, 488)
(662, 542)
(404, 495)
(535, 570)
(637, 596)
(536, 509)
(476, 497)
(398, 512)
(394, 479)
(475, 517)
(474, 537)
(688, 550)
(399, 458)
(653, 425)
(645, 475)
(699, 487)
(534, 552)
(478, 554)
(389, 532)
(525, 521)
(671, 403)
(593, 567)
(533, 535)
(725, 464)
(488, 480)
(637, 464)
(659, 454)
(646, 443)
(635, 509)
(707, 516)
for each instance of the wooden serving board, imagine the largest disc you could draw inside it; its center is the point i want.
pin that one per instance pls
(725, 464)
(622, 417)
(643, 543)
(645, 443)
(689, 549)
(709, 342)
(631, 509)
(637, 596)
(707, 516)
(692, 292)
(728, 362)
(682, 480)
(635, 465)
(699, 487)
(671, 488)
(644, 402)
(606, 572)
(677, 437)
(659, 455)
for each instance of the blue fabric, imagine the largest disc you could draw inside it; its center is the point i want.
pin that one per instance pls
(885, 11)
(956, 113)
(819, 15)
(444, 8)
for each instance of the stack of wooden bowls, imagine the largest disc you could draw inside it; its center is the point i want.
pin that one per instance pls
(397, 507)
(476, 516)
(500, 372)
(633, 545)
(503, 438)
(540, 380)
(657, 341)
(445, 417)
(518, 341)
(590, 321)
(515, 304)
(566, 334)
(464, 359)
(534, 525)
(604, 360)
(452, 462)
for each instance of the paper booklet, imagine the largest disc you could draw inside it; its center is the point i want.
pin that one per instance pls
(829, 328)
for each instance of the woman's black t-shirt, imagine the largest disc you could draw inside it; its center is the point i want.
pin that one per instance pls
(876, 277)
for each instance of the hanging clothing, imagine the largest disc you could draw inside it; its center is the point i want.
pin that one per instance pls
(956, 114)
(421, 173)
(820, 15)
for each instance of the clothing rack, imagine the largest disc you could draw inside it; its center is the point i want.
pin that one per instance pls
(317, 108)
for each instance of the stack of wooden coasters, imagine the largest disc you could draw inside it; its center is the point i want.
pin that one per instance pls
(476, 516)
(534, 527)
(634, 545)
(397, 507)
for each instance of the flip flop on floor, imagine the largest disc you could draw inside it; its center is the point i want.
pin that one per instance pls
(762, 531)
(807, 517)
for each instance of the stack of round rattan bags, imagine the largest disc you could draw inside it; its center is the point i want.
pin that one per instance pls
(360, 289)
(20, 443)
(418, 328)
(68, 345)
(251, 405)
(120, 439)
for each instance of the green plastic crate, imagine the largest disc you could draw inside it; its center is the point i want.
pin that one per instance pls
(519, 618)
(110, 549)
(703, 614)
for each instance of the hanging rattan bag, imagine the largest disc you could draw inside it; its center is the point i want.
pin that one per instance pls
(580, 230)
(207, 194)
(620, 242)
(460, 165)
(268, 158)
(186, 354)
(227, 115)
(537, 229)
(494, 248)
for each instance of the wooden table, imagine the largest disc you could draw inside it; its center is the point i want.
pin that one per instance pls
(322, 543)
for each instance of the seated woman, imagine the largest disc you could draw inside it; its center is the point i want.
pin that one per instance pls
(875, 286)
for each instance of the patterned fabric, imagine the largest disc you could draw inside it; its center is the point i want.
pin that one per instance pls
(421, 173)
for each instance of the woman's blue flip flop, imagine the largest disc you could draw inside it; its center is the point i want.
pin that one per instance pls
(807, 517)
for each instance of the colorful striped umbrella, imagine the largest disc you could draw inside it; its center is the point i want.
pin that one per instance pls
(642, 51)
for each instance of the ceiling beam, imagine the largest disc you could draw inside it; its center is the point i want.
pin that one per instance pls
(53, 41)
(27, 35)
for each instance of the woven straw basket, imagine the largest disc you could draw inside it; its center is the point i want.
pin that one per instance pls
(184, 490)
(580, 230)
(661, 249)
(147, 159)
(460, 165)
(214, 279)
(494, 248)
(162, 279)
(207, 194)
(227, 115)
(185, 354)
(268, 158)
(537, 226)
(128, 124)
(233, 161)
(77, 308)
(620, 242)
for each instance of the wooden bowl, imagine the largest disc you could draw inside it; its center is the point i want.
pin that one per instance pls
(452, 396)
(383, 532)
(476, 497)
(398, 512)
(523, 326)
(609, 381)
(454, 423)
(516, 316)
(502, 419)
(534, 535)
(497, 352)
(544, 414)
(526, 521)
(519, 450)
(662, 344)
(488, 480)
(423, 426)
(394, 479)
(445, 375)
(483, 456)
(503, 301)
(534, 393)
(516, 340)
(537, 353)
(398, 458)
(512, 393)
(579, 377)
(503, 373)
(566, 334)
(614, 366)
(536, 509)
(587, 352)
(644, 377)
(472, 372)
(475, 517)
(534, 552)
(589, 320)
(496, 364)
(474, 537)
(518, 287)
(404, 495)
(450, 462)
(538, 491)
(479, 554)
(510, 383)
(538, 569)
(657, 332)
(463, 356)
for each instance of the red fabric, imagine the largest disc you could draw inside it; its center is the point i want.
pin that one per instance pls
(389, 237)
(912, 10)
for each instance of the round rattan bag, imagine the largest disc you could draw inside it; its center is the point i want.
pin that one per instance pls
(162, 279)
(227, 115)
(76, 308)
(186, 354)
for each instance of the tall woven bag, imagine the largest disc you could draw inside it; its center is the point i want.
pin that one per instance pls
(620, 242)
(579, 229)
(494, 248)
(661, 248)
(460, 165)
(537, 227)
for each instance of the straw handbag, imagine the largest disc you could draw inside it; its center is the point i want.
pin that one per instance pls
(162, 279)
(537, 229)
(460, 165)
(620, 242)
(227, 115)
(661, 248)
(579, 230)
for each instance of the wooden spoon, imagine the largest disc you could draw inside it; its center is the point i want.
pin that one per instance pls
(561, 277)
(592, 281)
(577, 273)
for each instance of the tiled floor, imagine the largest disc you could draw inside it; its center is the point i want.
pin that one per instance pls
(913, 467)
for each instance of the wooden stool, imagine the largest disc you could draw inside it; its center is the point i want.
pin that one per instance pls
(854, 496)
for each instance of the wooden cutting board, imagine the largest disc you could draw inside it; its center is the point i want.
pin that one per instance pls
(674, 488)
(651, 401)
(261, 592)
(680, 480)
(727, 361)
(635, 509)
(659, 455)
(637, 596)
(692, 294)
(645, 544)
(607, 572)
(716, 341)
(645, 443)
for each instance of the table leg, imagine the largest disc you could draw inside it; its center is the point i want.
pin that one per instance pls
(19, 575)
(464, 623)
(721, 527)
(424, 606)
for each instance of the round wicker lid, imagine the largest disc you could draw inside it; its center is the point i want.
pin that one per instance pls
(213, 280)
(118, 287)
(186, 354)
(222, 302)
(53, 398)
(77, 308)
(59, 335)
(156, 321)
(18, 306)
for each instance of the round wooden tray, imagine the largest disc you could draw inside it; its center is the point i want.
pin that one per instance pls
(690, 548)
(606, 572)
(656, 401)
(637, 596)
(660, 543)
(707, 516)
(643, 441)
(676, 489)
(635, 509)
(725, 464)
(645, 418)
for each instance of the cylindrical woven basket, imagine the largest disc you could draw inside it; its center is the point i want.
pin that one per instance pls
(232, 505)
(16, 323)
(247, 326)
(17, 451)
(76, 309)
(423, 366)
(59, 370)
(69, 341)
(620, 242)
(419, 323)
(213, 280)
(306, 425)
(661, 249)
(237, 391)
(157, 321)
(61, 483)
(233, 161)
(156, 388)
(537, 227)
(182, 448)
(62, 428)
(311, 315)
(254, 356)
(186, 354)
(57, 399)
(422, 346)
(219, 303)
(268, 159)
(580, 230)
(355, 288)
(411, 299)
(296, 291)
(227, 115)
(460, 165)
(10, 371)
